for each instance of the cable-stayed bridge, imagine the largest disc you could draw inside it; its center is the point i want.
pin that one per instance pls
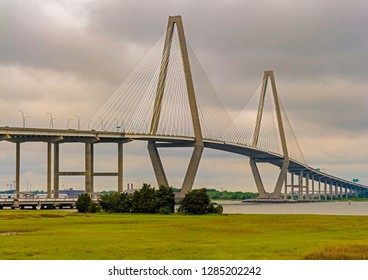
(168, 101)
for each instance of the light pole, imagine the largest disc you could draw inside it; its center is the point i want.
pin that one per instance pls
(24, 118)
(78, 121)
(102, 124)
(67, 126)
(118, 127)
(51, 125)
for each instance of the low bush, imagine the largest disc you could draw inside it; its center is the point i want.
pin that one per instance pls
(84, 204)
(197, 202)
(145, 200)
(116, 202)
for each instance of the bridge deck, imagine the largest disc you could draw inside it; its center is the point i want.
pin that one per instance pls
(41, 203)
(20, 135)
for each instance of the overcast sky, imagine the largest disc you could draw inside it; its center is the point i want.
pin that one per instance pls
(68, 57)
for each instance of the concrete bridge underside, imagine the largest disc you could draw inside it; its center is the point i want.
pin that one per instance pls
(307, 182)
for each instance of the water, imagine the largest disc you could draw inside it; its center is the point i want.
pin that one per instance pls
(322, 208)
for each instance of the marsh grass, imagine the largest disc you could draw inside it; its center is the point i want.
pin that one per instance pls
(68, 235)
(343, 252)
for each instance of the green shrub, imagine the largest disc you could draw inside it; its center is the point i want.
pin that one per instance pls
(197, 202)
(92, 208)
(165, 198)
(212, 209)
(165, 210)
(83, 203)
(144, 200)
(116, 202)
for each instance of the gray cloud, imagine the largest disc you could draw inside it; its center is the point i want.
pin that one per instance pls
(67, 57)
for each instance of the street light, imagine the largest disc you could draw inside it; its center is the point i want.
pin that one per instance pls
(24, 118)
(67, 126)
(51, 125)
(102, 124)
(118, 127)
(78, 121)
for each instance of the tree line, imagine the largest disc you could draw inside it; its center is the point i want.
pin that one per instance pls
(150, 201)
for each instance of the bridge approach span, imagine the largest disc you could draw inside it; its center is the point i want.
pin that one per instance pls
(55, 137)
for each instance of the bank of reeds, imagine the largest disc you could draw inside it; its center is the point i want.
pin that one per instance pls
(69, 235)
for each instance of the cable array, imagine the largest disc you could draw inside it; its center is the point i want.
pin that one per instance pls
(269, 138)
(175, 118)
(295, 152)
(214, 117)
(132, 106)
(243, 128)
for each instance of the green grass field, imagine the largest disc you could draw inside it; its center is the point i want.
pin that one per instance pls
(67, 235)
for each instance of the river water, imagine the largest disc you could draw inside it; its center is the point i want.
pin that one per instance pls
(322, 208)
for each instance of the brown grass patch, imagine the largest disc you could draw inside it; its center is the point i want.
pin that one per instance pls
(345, 252)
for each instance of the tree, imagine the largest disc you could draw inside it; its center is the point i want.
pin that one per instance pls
(197, 202)
(144, 200)
(83, 203)
(212, 209)
(116, 202)
(165, 200)
(124, 204)
(92, 208)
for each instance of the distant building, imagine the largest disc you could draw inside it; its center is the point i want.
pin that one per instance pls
(71, 193)
(130, 189)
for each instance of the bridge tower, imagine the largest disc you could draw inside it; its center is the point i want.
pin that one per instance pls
(268, 76)
(176, 21)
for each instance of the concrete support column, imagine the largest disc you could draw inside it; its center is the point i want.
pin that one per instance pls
(192, 169)
(325, 183)
(17, 169)
(312, 187)
(307, 186)
(300, 194)
(346, 193)
(56, 170)
(92, 168)
(120, 167)
(292, 186)
(285, 187)
(89, 168)
(319, 189)
(49, 169)
(330, 190)
(341, 195)
(257, 179)
(158, 168)
(337, 191)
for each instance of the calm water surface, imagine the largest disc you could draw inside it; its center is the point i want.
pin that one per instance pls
(323, 208)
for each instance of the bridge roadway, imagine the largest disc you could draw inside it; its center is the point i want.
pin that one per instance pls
(34, 203)
(304, 172)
